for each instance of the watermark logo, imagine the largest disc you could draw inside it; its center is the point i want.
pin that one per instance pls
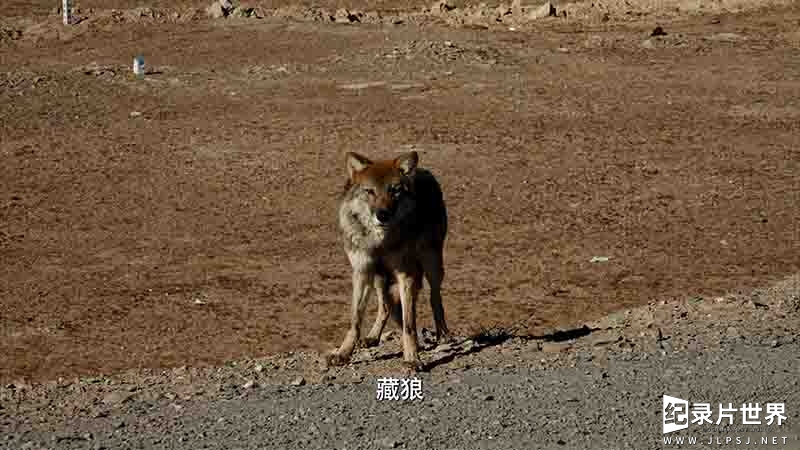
(404, 389)
(676, 414)
(726, 423)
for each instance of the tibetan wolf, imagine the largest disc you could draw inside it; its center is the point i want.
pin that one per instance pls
(393, 224)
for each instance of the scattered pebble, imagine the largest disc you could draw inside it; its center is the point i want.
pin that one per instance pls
(546, 10)
(658, 31)
(389, 443)
(555, 347)
(360, 86)
(115, 398)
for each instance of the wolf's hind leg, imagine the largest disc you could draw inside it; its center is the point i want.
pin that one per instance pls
(433, 267)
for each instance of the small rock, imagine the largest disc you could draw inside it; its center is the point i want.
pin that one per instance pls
(115, 398)
(791, 304)
(555, 347)
(259, 368)
(444, 347)
(658, 31)
(443, 6)
(389, 443)
(726, 37)
(774, 344)
(299, 381)
(216, 11)
(488, 398)
(345, 16)
(360, 86)
(243, 12)
(546, 10)
(135, 114)
(249, 384)
(468, 345)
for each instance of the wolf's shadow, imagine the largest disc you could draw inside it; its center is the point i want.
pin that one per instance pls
(481, 341)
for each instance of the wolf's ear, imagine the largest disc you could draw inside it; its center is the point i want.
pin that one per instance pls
(407, 162)
(356, 163)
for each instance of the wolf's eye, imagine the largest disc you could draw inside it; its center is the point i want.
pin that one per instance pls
(395, 190)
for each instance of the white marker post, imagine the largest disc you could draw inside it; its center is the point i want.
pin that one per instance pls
(138, 66)
(66, 8)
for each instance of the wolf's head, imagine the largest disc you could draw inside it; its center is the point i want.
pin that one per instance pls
(381, 191)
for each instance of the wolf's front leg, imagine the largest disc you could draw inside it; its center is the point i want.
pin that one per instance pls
(374, 336)
(408, 300)
(362, 287)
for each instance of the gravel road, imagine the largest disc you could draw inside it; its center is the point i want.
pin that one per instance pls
(585, 406)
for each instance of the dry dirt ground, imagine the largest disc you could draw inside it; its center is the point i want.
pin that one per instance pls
(188, 218)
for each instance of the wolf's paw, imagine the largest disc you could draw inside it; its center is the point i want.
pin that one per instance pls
(414, 366)
(369, 342)
(335, 359)
(444, 338)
